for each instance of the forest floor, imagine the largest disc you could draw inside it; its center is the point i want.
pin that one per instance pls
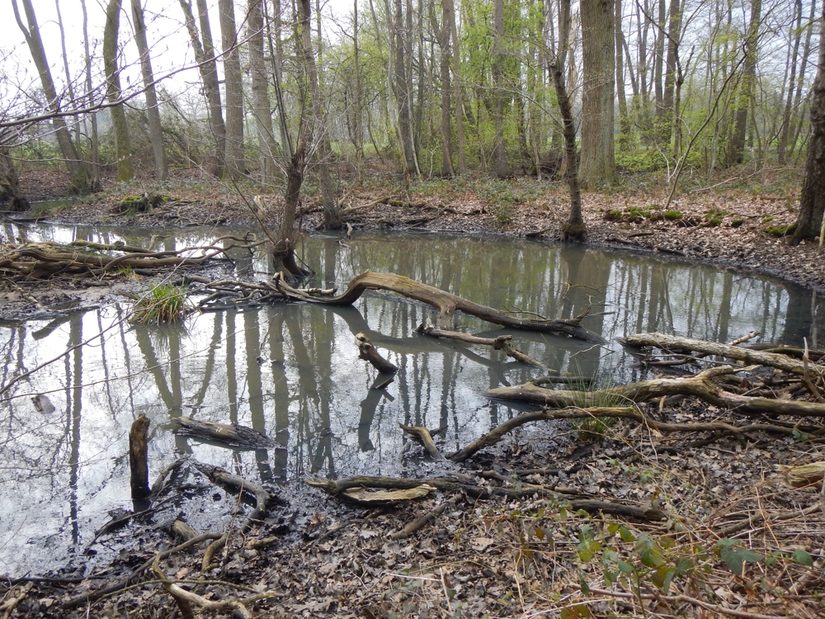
(735, 539)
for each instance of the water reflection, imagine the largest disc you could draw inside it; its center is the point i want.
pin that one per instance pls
(293, 372)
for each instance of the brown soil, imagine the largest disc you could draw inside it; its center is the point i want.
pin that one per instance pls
(710, 223)
(737, 540)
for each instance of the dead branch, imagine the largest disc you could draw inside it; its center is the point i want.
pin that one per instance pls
(446, 303)
(368, 352)
(746, 355)
(233, 435)
(700, 386)
(88, 597)
(502, 342)
(425, 438)
(339, 487)
(621, 412)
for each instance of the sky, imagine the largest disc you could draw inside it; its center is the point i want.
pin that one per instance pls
(168, 40)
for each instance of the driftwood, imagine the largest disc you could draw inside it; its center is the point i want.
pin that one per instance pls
(223, 477)
(700, 386)
(446, 303)
(425, 438)
(337, 488)
(233, 435)
(746, 355)
(138, 457)
(503, 343)
(368, 352)
(810, 474)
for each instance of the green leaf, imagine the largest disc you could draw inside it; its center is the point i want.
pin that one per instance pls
(663, 576)
(583, 584)
(734, 556)
(626, 567)
(803, 557)
(578, 611)
(626, 534)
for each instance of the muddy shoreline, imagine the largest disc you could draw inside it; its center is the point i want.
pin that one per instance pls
(725, 498)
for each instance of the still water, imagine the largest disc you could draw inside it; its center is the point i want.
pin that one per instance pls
(292, 371)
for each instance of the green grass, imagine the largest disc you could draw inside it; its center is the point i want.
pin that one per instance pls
(164, 303)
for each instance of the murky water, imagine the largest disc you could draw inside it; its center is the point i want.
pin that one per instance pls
(293, 371)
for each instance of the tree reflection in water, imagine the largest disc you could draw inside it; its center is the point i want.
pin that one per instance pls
(293, 371)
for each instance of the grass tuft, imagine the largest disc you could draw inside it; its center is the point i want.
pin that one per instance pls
(164, 303)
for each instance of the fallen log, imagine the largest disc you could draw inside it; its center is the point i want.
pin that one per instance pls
(445, 302)
(746, 355)
(339, 487)
(810, 474)
(700, 386)
(503, 343)
(232, 435)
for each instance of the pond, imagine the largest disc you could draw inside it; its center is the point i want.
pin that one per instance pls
(292, 371)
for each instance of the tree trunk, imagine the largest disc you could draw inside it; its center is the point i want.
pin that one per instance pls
(260, 92)
(500, 165)
(574, 229)
(743, 100)
(94, 171)
(402, 91)
(233, 77)
(152, 110)
(205, 57)
(812, 204)
(784, 131)
(78, 172)
(458, 98)
(666, 111)
(446, 113)
(597, 157)
(123, 149)
(9, 182)
(624, 119)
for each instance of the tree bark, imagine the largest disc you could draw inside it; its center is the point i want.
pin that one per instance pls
(574, 229)
(444, 73)
(812, 203)
(123, 149)
(150, 92)
(743, 100)
(402, 92)
(260, 92)
(233, 77)
(500, 165)
(446, 303)
(205, 56)
(138, 458)
(78, 172)
(597, 151)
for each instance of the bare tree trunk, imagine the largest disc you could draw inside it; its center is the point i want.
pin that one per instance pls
(357, 130)
(458, 98)
(402, 92)
(66, 71)
(597, 156)
(78, 172)
(10, 182)
(743, 100)
(659, 53)
(205, 57)
(152, 109)
(784, 131)
(89, 101)
(123, 149)
(624, 119)
(806, 52)
(260, 91)
(574, 229)
(501, 167)
(665, 113)
(812, 204)
(444, 73)
(233, 77)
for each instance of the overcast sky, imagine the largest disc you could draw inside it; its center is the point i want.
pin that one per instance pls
(166, 31)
